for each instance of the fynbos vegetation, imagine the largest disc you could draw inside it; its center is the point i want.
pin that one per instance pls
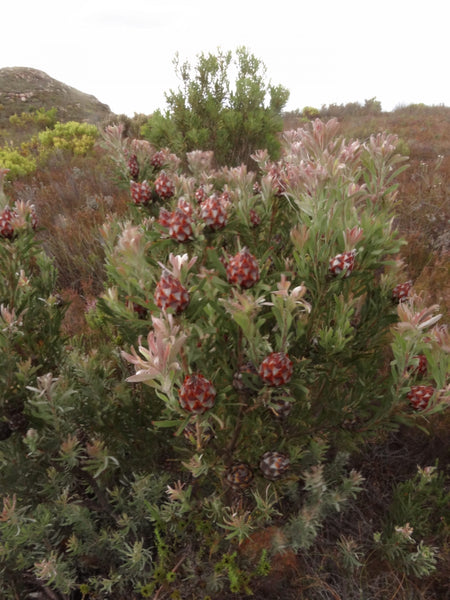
(218, 376)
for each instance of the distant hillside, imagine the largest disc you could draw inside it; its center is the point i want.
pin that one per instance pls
(25, 90)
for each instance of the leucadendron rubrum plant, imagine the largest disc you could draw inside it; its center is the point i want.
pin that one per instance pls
(285, 336)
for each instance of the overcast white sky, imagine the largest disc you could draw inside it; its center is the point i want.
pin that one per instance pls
(323, 51)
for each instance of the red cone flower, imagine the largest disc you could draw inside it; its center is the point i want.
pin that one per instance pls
(200, 194)
(141, 193)
(243, 269)
(158, 159)
(171, 294)
(419, 396)
(401, 291)
(343, 263)
(197, 394)
(165, 188)
(133, 166)
(213, 212)
(180, 226)
(276, 369)
(6, 228)
(164, 217)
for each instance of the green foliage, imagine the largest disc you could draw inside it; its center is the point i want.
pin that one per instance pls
(372, 106)
(402, 551)
(208, 112)
(18, 164)
(422, 501)
(40, 119)
(76, 138)
(327, 488)
(64, 511)
(309, 112)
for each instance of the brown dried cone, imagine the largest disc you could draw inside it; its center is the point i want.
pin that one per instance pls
(274, 464)
(239, 476)
(280, 406)
(18, 422)
(5, 431)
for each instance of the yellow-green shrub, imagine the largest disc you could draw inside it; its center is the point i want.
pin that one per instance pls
(18, 165)
(40, 118)
(77, 138)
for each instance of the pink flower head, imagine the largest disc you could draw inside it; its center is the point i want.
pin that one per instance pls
(294, 297)
(352, 236)
(179, 263)
(414, 317)
(158, 361)
(200, 161)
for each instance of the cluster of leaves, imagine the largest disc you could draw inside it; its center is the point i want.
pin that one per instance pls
(77, 138)
(39, 119)
(419, 506)
(16, 162)
(211, 112)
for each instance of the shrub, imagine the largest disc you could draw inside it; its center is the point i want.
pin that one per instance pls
(269, 353)
(309, 112)
(39, 119)
(76, 138)
(210, 113)
(17, 164)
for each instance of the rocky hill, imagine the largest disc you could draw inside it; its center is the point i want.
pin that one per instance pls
(25, 90)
